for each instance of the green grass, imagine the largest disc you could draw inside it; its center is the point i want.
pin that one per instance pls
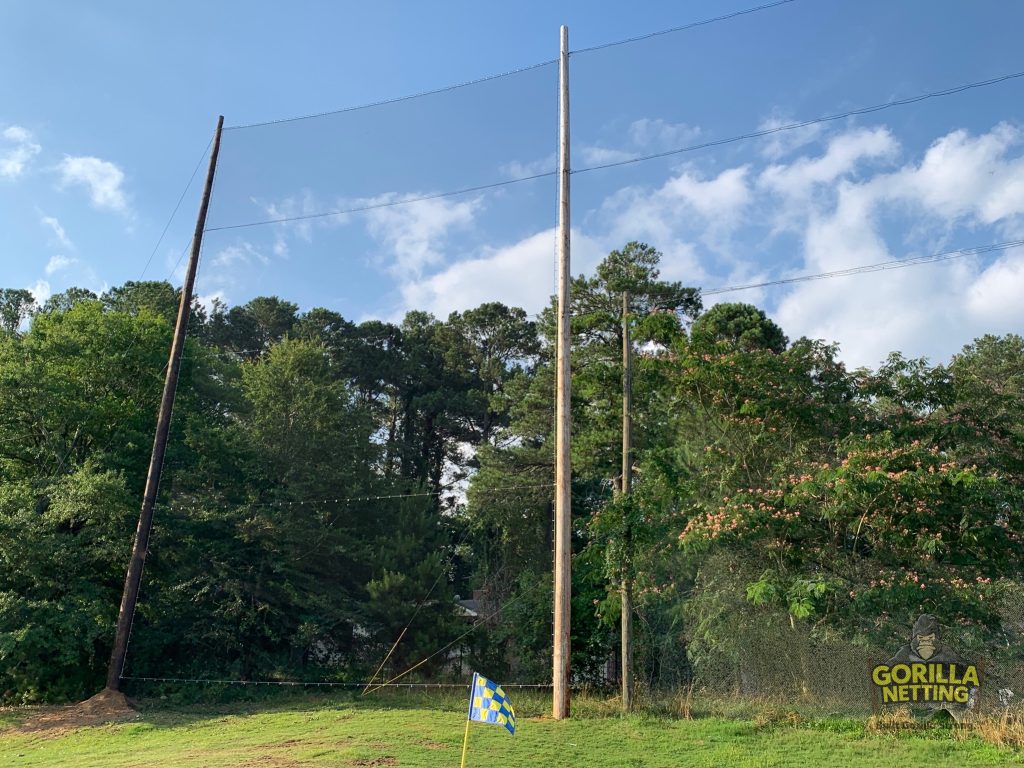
(409, 730)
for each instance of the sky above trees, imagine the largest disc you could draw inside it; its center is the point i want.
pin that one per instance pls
(107, 110)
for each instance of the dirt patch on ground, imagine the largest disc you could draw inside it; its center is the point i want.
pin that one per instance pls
(434, 745)
(374, 761)
(105, 707)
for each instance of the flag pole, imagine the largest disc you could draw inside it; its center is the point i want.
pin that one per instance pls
(465, 739)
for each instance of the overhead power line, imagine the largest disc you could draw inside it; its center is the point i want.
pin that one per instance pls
(641, 158)
(804, 123)
(879, 267)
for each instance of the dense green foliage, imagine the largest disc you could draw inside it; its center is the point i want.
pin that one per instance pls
(312, 501)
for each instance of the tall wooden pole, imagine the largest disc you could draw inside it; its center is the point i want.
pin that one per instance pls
(133, 579)
(563, 476)
(627, 482)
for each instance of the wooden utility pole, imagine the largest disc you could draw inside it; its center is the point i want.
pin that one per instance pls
(627, 482)
(133, 579)
(563, 476)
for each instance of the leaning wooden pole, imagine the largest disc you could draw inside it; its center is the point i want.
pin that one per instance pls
(133, 579)
(563, 476)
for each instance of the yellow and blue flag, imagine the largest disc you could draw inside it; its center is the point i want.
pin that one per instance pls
(489, 704)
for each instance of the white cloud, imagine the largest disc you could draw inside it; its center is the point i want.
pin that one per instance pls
(643, 136)
(685, 209)
(658, 134)
(961, 181)
(239, 253)
(994, 298)
(521, 275)
(58, 263)
(777, 145)
(847, 204)
(593, 154)
(40, 291)
(842, 157)
(16, 151)
(101, 178)
(722, 197)
(415, 233)
(289, 208)
(519, 170)
(58, 231)
(964, 176)
(206, 300)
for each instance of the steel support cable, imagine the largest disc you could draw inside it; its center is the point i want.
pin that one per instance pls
(465, 634)
(415, 613)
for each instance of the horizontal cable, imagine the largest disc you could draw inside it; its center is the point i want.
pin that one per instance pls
(376, 498)
(805, 123)
(691, 25)
(388, 204)
(324, 683)
(397, 99)
(879, 267)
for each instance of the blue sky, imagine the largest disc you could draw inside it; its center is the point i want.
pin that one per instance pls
(105, 109)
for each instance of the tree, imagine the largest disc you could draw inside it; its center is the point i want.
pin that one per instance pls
(16, 306)
(249, 330)
(742, 326)
(65, 300)
(157, 296)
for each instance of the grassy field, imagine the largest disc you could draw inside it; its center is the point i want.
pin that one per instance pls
(427, 731)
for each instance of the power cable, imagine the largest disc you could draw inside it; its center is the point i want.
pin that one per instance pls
(879, 267)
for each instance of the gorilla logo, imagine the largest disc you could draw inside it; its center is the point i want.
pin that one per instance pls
(925, 644)
(925, 641)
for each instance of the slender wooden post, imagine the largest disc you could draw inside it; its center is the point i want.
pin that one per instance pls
(563, 476)
(627, 484)
(133, 579)
(469, 716)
